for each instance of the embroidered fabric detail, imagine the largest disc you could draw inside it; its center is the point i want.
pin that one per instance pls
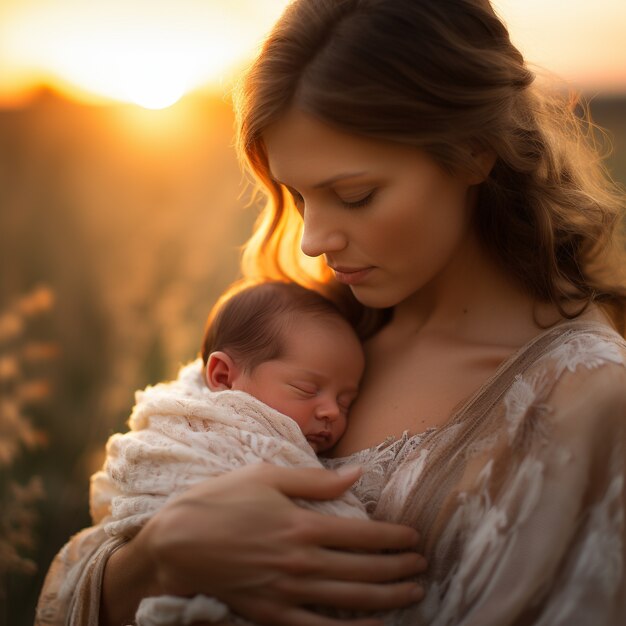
(519, 498)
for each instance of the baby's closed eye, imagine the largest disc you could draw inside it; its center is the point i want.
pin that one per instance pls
(345, 401)
(305, 389)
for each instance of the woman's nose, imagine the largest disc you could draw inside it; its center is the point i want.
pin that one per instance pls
(320, 234)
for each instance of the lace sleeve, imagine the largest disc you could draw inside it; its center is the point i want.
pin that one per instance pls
(534, 531)
(520, 499)
(71, 591)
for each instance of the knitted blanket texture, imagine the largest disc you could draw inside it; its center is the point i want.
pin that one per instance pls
(181, 433)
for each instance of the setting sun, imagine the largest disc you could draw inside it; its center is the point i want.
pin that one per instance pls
(153, 95)
(152, 52)
(147, 53)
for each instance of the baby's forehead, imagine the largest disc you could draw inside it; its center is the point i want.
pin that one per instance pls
(326, 341)
(300, 363)
(327, 325)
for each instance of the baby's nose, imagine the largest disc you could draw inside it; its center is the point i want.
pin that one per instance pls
(328, 411)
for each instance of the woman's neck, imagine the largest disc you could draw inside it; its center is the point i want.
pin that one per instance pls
(473, 300)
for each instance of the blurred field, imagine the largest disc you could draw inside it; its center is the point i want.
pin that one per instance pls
(132, 220)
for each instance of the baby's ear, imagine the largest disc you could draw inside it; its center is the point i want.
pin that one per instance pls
(220, 372)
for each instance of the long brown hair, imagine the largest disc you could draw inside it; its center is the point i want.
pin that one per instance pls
(444, 77)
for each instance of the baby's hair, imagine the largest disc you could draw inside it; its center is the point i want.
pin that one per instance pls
(249, 325)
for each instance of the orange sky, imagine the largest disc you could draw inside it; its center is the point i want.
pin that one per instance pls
(151, 52)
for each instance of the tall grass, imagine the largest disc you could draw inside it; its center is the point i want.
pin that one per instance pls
(23, 385)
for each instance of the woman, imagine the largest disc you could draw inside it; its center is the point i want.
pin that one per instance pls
(462, 219)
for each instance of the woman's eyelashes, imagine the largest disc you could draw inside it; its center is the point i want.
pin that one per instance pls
(361, 202)
(348, 203)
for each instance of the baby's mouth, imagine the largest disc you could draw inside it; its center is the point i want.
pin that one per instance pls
(320, 439)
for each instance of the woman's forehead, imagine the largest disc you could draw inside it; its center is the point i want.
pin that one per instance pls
(301, 147)
(298, 140)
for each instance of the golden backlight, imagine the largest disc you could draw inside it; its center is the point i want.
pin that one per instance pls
(152, 52)
(147, 53)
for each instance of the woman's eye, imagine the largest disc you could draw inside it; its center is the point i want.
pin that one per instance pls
(360, 202)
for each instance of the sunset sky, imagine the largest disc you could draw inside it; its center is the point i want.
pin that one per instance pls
(151, 52)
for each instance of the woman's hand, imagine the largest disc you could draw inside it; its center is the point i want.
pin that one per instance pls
(241, 539)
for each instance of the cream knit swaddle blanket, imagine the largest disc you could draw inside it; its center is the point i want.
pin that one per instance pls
(181, 433)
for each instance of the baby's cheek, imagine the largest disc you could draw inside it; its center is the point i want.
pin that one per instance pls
(342, 425)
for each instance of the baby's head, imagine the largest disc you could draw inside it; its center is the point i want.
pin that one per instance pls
(290, 348)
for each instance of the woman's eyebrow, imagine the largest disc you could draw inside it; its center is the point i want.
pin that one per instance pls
(338, 177)
(328, 181)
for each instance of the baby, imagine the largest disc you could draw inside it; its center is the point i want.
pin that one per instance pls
(280, 368)
(290, 348)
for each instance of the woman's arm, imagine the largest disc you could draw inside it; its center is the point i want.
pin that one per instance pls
(240, 539)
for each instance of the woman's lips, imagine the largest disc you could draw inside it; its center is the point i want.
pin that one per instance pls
(351, 276)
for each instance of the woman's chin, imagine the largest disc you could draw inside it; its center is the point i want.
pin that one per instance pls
(374, 298)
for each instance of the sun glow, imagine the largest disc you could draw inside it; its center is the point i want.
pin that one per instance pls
(147, 53)
(152, 52)
(155, 96)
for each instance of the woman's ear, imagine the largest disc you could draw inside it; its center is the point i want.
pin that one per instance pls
(220, 372)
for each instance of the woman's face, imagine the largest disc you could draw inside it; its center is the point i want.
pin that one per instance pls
(386, 216)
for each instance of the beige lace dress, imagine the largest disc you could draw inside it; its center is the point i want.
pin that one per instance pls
(520, 498)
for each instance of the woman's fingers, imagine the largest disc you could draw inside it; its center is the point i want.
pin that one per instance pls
(293, 592)
(351, 595)
(354, 534)
(310, 483)
(321, 563)
(322, 484)
(240, 538)
(369, 568)
(347, 580)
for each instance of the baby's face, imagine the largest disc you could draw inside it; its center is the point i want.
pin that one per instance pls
(315, 381)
